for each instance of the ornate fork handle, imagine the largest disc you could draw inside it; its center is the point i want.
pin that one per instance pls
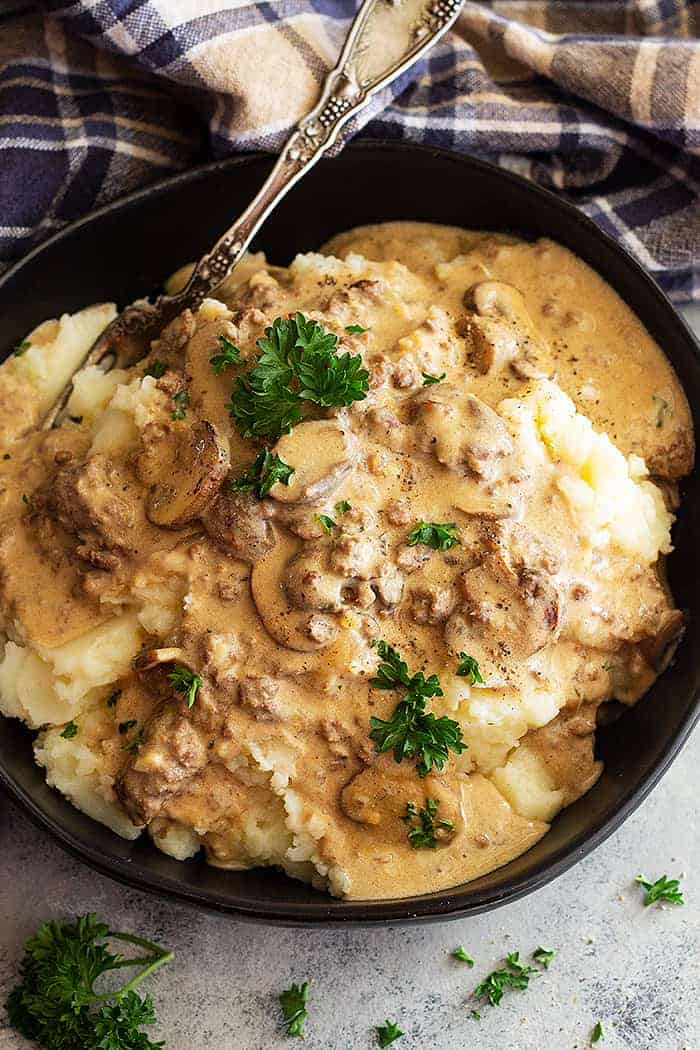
(385, 39)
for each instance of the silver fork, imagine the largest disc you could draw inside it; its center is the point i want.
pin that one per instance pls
(385, 38)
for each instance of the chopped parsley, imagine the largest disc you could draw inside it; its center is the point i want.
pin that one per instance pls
(343, 507)
(135, 743)
(185, 681)
(113, 697)
(411, 732)
(433, 534)
(230, 355)
(70, 731)
(543, 956)
(326, 523)
(267, 470)
(475, 1015)
(514, 975)
(293, 1002)
(181, 400)
(355, 329)
(422, 826)
(298, 362)
(124, 727)
(469, 668)
(157, 369)
(56, 1003)
(388, 1033)
(597, 1034)
(429, 380)
(22, 347)
(662, 890)
(463, 956)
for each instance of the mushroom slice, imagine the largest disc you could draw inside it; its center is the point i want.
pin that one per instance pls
(285, 624)
(461, 431)
(321, 455)
(659, 649)
(150, 658)
(503, 330)
(186, 469)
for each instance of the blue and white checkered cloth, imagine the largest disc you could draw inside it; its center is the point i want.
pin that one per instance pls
(597, 100)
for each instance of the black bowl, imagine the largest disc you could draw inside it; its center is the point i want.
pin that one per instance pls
(126, 250)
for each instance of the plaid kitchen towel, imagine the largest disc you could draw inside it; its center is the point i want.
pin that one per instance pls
(599, 100)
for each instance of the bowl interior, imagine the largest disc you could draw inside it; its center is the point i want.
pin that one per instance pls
(126, 250)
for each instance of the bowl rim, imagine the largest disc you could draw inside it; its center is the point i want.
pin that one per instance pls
(455, 902)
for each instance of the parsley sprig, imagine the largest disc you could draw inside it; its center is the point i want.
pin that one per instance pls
(185, 681)
(181, 401)
(230, 355)
(411, 732)
(266, 470)
(388, 1033)
(156, 368)
(597, 1034)
(422, 826)
(430, 380)
(298, 362)
(70, 730)
(469, 668)
(663, 889)
(439, 536)
(293, 1002)
(56, 1003)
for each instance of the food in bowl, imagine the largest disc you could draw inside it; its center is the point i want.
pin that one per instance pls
(340, 577)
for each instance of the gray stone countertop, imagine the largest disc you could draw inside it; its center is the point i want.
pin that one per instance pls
(636, 969)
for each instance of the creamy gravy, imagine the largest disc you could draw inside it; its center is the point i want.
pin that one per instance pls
(277, 615)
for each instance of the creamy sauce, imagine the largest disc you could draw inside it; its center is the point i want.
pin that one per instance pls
(278, 615)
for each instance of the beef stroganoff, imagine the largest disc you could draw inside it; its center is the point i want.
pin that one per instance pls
(338, 578)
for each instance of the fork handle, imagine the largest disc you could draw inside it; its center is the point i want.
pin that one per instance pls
(386, 37)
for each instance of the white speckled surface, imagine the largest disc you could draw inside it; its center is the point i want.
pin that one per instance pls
(637, 969)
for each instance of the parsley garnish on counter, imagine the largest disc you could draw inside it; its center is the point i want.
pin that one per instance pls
(267, 469)
(469, 668)
(388, 1033)
(543, 956)
(298, 362)
(662, 890)
(513, 975)
(411, 732)
(422, 826)
(597, 1034)
(70, 731)
(230, 355)
(185, 681)
(293, 1002)
(463, 956)
(57, 1005)
(429, 380)
(433, 534)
